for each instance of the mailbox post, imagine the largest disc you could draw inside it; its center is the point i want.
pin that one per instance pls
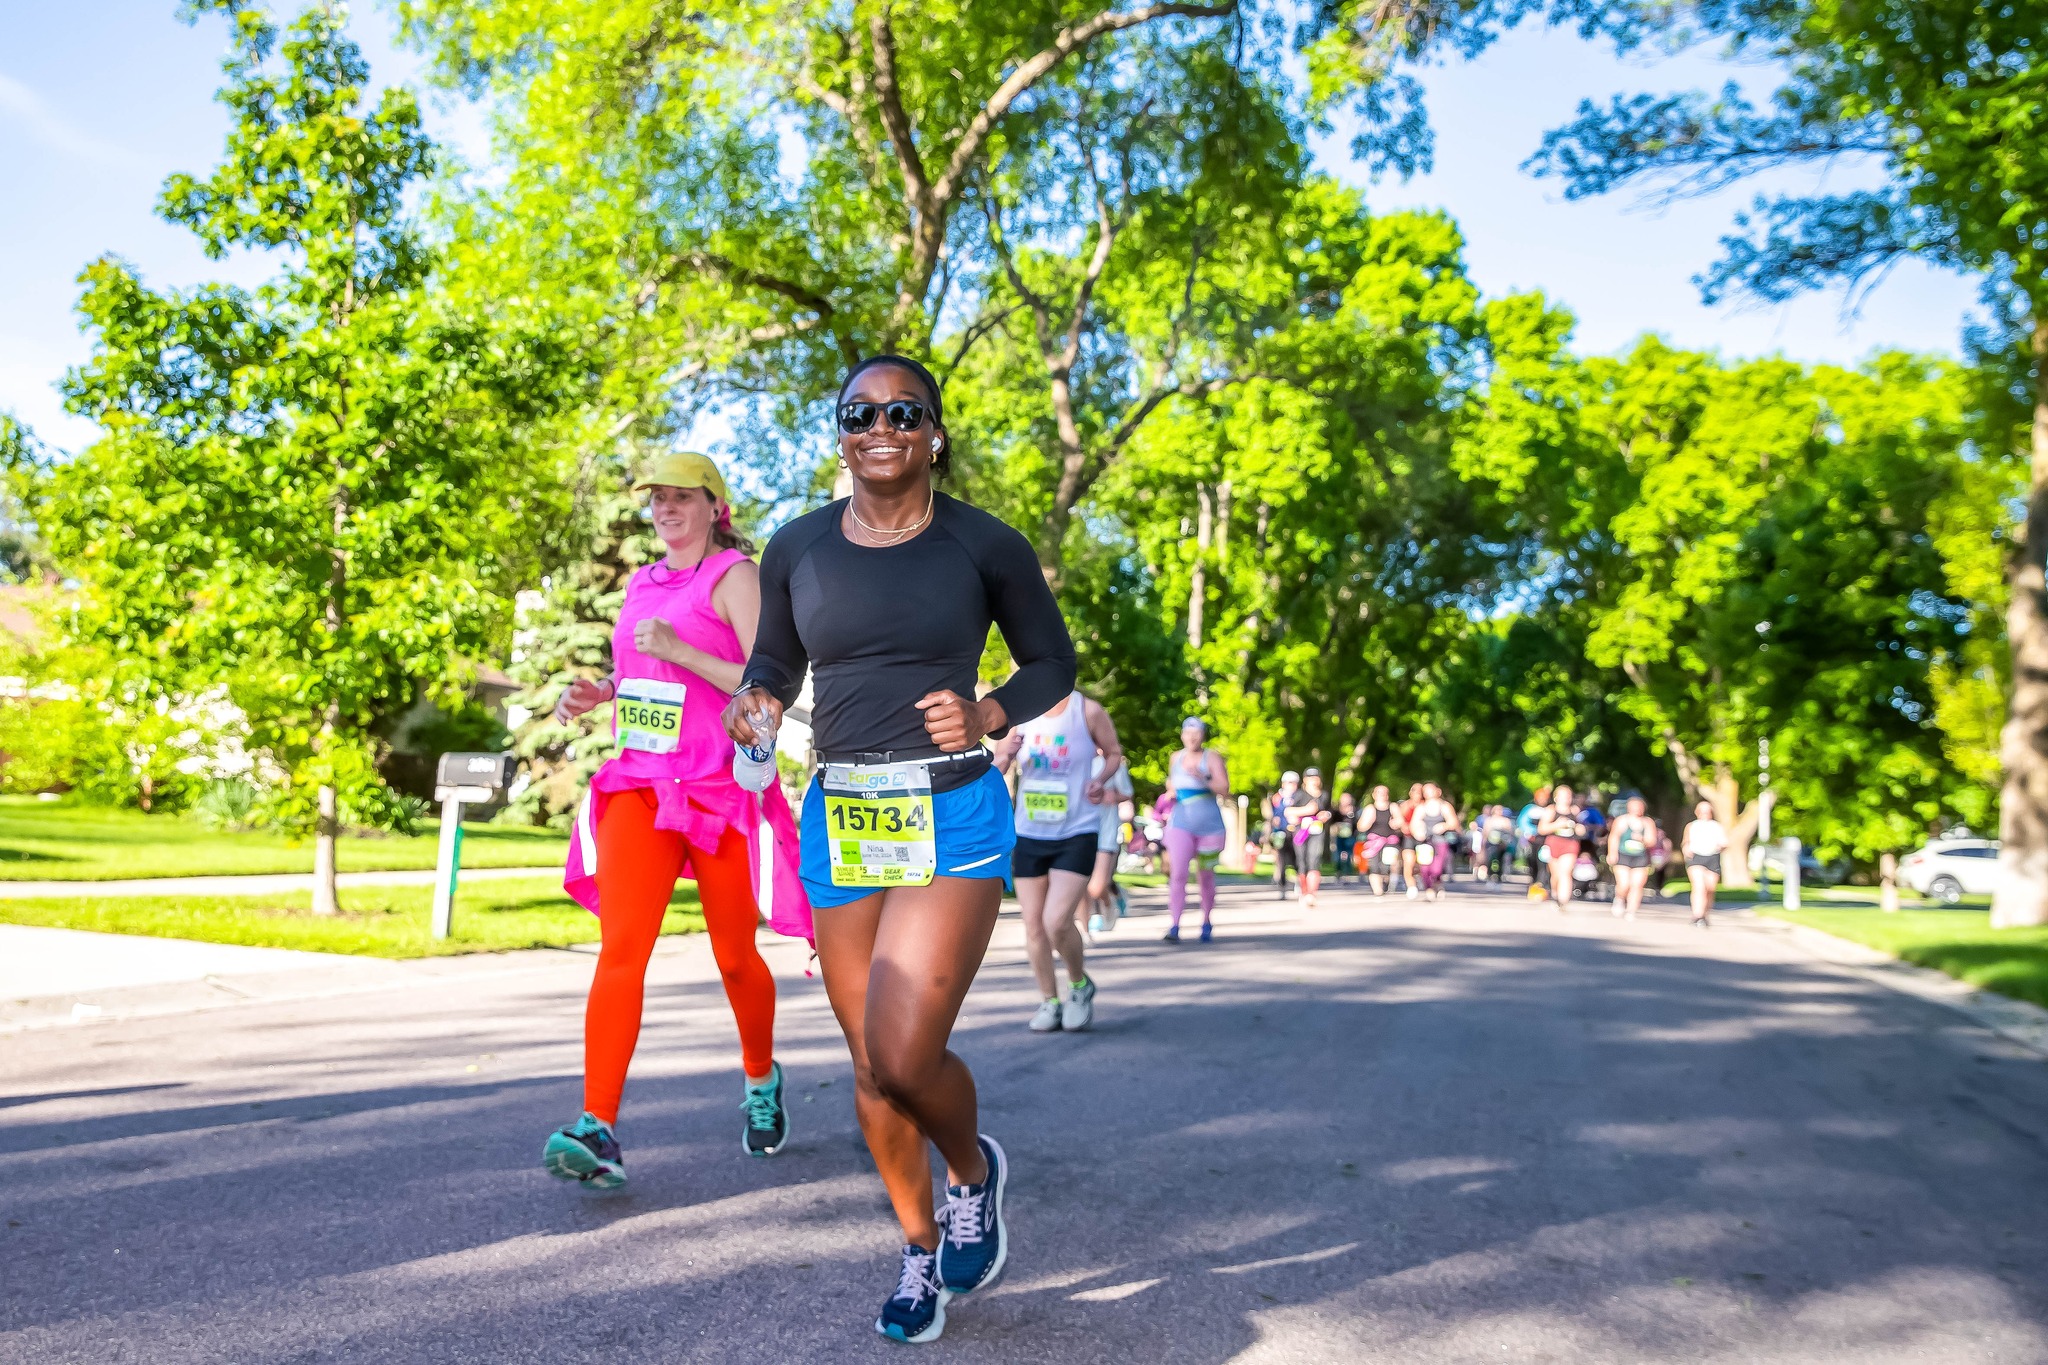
(461, 779)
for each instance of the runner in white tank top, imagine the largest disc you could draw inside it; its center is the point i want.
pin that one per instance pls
(1052, 759)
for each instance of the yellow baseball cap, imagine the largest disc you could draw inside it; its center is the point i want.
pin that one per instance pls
(681, 469)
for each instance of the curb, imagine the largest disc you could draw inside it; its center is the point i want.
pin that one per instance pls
(349, 976)
(2017, 1020)
(249, 884)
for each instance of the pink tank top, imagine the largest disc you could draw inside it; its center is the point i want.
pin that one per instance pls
(695, 794)
(682, 598)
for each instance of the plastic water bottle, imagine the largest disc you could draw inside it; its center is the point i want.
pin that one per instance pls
(753, 766)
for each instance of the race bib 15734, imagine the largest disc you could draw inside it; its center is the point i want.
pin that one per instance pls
(878, 824)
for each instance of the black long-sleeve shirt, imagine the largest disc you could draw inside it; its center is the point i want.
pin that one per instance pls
(880, 627)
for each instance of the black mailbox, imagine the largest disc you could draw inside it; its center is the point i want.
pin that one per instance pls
(474, 777)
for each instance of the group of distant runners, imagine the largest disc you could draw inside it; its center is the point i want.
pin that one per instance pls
(1415, 842)
(894, 863)
(1411, 840)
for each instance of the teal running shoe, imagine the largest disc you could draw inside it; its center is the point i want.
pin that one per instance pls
(767, 1120)
(586, 1151)
(916, 1312)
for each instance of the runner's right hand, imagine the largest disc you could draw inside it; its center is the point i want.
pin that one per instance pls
(579, 697)
(738, 727)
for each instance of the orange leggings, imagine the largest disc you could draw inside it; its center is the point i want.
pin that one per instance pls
(637, 868)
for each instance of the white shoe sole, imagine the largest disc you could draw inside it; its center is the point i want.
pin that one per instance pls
(578, 1163)
(931, 1333)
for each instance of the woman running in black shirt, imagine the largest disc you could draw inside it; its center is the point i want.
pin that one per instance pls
(887, 597)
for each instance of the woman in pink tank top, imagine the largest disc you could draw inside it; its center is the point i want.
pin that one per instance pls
(666, 807)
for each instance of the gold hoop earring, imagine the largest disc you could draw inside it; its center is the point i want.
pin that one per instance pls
(842, 462)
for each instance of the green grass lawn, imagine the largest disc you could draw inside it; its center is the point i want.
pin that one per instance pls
(1960, 942)
(63, 841)
(1811, 895)
(376, 921)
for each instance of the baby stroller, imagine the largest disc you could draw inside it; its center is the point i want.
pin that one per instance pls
(1147, 842)
(1594, 878)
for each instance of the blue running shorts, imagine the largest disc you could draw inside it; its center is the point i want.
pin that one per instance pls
(975, 829)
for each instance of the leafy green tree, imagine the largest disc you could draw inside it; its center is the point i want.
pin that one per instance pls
(308, 492)
(1282, 462)
(566, 634)
(866, 177)
(1304, 524)
(1952, 98)
(1747, 547)
(22, 460)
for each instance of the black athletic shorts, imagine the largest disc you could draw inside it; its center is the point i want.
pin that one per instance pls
(1634, 860)
(1311, 854)
(1037, 857)
(1710, 861)
(1283, 852)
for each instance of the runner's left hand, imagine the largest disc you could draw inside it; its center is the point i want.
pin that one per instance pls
(1094, 794)
(954, 723)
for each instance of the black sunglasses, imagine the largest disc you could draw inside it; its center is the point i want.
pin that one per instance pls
(855, 418)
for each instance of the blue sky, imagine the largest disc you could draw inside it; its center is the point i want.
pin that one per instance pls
(99, 102)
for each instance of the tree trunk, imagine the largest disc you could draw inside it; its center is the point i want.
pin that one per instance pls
(1741, 825)
(1354, 763)
(1199, 579)
(2021, 897)
(1687, 764)
(1067, 492)
(1253, 618)
(326, 896)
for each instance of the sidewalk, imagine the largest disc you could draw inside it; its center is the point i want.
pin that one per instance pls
(53, 977)
(267, 884)
(57, 976)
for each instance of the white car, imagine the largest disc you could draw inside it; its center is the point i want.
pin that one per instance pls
(1949, 869)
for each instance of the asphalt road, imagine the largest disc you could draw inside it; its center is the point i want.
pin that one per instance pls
(1475, 1131)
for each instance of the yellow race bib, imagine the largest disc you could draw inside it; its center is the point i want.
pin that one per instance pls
(878, 824)
(649, 715)
(1045, 802)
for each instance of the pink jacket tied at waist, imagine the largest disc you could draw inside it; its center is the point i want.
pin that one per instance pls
(694, 791)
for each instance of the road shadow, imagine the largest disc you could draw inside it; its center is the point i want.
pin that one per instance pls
(1383, 1142)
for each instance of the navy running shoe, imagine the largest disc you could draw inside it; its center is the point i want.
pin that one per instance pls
(916, 1312)
(974, 1241)
(586, 1151)
(1208, 932)
(767, 1120)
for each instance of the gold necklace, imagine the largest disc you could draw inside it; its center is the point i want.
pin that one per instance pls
(894, 536)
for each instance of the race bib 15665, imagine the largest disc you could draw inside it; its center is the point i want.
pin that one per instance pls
(650, 715)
